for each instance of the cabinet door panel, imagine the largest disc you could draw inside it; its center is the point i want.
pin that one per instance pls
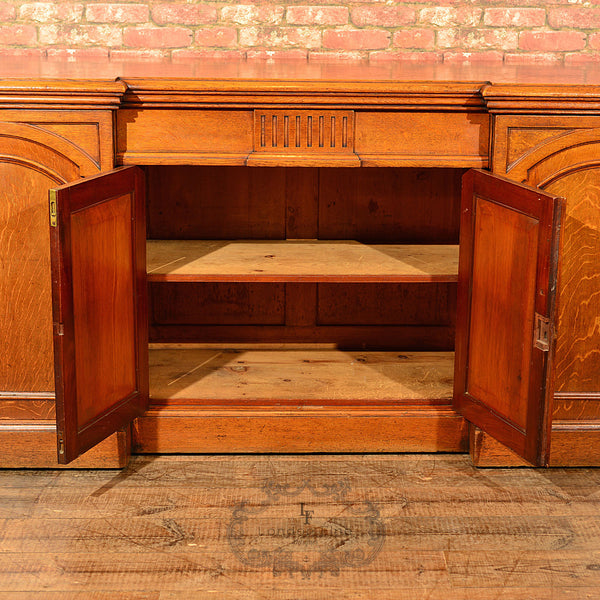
(505, 331)
(99, 308)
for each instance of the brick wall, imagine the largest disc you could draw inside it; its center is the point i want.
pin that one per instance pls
(513, 31)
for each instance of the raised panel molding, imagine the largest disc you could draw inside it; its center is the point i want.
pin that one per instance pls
(61, 159)
(85, 137)
(557, 157)
(522, 141)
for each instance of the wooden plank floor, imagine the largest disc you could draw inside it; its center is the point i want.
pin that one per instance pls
(402, 527)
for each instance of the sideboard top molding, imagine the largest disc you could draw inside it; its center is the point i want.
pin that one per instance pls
(61, 93)
(46, 83)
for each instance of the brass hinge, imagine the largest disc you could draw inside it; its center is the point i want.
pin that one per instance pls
(542, 333)
(53, 209)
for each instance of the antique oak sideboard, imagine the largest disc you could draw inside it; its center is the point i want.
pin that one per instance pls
(268, 257)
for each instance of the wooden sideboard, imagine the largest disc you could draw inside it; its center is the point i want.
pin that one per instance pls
(298, 258)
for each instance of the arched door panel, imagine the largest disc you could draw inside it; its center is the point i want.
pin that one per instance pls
(31, 162)
(569, 166)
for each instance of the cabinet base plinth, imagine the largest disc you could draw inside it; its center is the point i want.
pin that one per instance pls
(236, 430)
(32, 444)
(573, 444)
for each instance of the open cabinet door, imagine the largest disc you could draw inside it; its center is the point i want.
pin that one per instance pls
(509, 246)
(98, 253)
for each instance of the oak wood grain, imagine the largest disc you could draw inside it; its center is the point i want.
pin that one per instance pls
(31, 444)
(578, 342)
(565, 162)
(26, 362)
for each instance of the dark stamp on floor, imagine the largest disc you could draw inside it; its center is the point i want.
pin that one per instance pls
(306, 527)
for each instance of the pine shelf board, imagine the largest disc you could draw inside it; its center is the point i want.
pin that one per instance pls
(298, 261)
(299, 376)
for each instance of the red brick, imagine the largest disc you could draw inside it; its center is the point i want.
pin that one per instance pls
(80, 35)
(551, 41)
(421, 57)
(474, 57)
(482, 39)
(7, 12)
(73, 54)
(184, 14)
(538, 58)
(585, 18)
(514, 17)
(317, 15)
(581, 59)
(414, 38)
(23, 35)
(280, 37)
(117, 13)
(29, 52)
(594, 41)
(477, 39)
(185, 55)
(277, 55)
(157, 37)
(139, 55)
(216, 36)
(447, 38)
(336, 56)
(384, 16)
(246, 14)
(356, 39)
(443, 16)
(51, 12)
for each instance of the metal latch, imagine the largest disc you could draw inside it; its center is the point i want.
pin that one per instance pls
(61, 444)
(542, 333)
(53, 209)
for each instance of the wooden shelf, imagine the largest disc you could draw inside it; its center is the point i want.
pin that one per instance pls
(299, 260)
(298, 376)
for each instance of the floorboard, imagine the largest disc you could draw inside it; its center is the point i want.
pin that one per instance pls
(402, 527)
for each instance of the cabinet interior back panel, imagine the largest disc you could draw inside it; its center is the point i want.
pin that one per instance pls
(390, 205)
(386, 205)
